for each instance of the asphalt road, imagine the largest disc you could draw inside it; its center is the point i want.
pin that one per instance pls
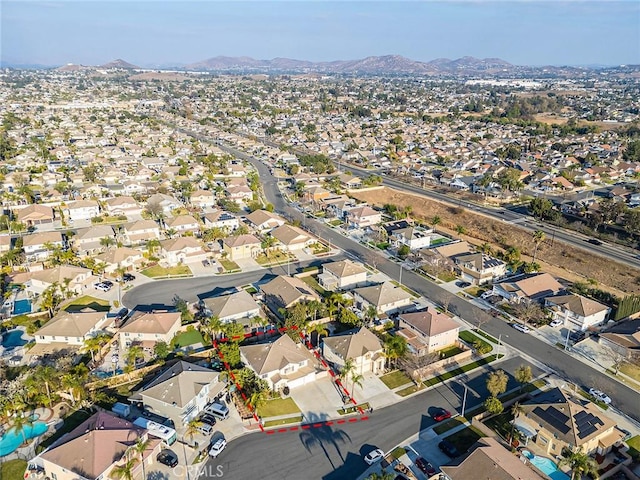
(335, 452)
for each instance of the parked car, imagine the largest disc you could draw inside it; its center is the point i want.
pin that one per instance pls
(448, 448)
(556, 323)
(374, 456)
(127, 277)
(205, 429)
(594, 241)
(462, 284)
(577, 336)
(208, 419)
(425, 467)
(102, 287)
(521, 328)
(206, 263)
(167, 457)
(217, 447)
(441, 414)
(600, 395)
(107, 283)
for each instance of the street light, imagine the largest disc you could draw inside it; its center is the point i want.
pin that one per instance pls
(464, 398)
(400, 277)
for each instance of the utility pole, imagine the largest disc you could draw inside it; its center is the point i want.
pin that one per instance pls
(400, 277)
(464, 398)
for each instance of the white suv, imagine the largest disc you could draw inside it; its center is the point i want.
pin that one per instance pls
(521, 328)
(600, 395)
(217, 447)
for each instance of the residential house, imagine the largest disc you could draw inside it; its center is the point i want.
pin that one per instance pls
(35, 214)
(234, 307)
(122, 205)
(264, 221)
(556, 420)
(149, 328)
(283, 292)
(337, 206)
(292, 238)
(95, 447)
(577, 311)
(342, 275)
(480, 268)
(221, 219)
(623, 338)
(164, 203)
(428, 331)
(350, 181)
(413, 237)
(528, 287)
(239, 193)
(385, 297)
(183, 224)
(82, 210)
(363, 216)
(316, 194)
(281, 363)
(203, 198)
(488, 459)
(182, 250)
(89, 240)
(5, 243)
(74, 279)
(141, 231)
(123, 257)
(71, 328)
(35, 245)
(364, 348)
(181, 392)
(242, 246)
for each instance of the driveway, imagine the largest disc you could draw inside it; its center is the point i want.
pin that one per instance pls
(373, 391)
(318, 399)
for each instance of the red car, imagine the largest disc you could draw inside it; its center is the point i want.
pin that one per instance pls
(441, 414)
(425, 467)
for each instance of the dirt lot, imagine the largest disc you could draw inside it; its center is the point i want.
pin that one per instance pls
(559, 259)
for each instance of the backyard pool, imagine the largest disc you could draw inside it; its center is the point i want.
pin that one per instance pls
(13, 438)
(13, 338)
(546, 466)
(22, 306)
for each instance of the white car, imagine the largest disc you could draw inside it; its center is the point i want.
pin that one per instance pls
(556, 323)
(217, 447)
(374, 456)
(521, 328)
(600, 395)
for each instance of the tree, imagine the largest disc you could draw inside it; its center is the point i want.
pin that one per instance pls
(497, 382)
(523, 375)
(125, 470)
(139, 448)
(383, 475)
(516, 410)
(493, 405)
(356, 379)
(94, 344)
(51, 298)
(19, 422)
(161, 350)
(395, 347)
(48, 376)
(580, 464)
(538, 238)
(404, 251)
(530, 312)
(134, 353)
(192, 429)
(257, 399)
(183, 307)
(435, 221)
(347, 369)
(542, 208)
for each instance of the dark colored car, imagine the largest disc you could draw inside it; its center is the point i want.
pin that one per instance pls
(425, 467)
(127, 277)
(448, 449)
(441, 414)
(463, 284)
(208, 419)
(107, 283)
(167, 457)
(594, 241)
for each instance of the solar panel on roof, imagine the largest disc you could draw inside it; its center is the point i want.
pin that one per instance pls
(554, 417)
(587, 423)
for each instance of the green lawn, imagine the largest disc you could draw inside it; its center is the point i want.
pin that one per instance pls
(465, 438)
(158, 271)
(501, 424)
(448, 425)
(398, 452)
(319, 248)
(472, 338)
(284, 421)
(593, 399)
(631, 370)
(13, 470)
(485, 335)
(229, 265)
(409, 390)
(278, 406)
(395, 379)
(313, 283)
(634, 446)
(353, 408)
(450, 352)
(191, 337)
(335, 222)
(275, 257)
(87, 301)
(459, 371)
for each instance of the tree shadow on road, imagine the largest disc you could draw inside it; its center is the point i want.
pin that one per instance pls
(318, 435)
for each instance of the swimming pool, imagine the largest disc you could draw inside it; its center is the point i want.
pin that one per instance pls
(11, 440)
(546, 466)
(13, 338)
(22, 306)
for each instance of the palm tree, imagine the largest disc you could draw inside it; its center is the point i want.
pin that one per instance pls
(347, 369)
(356, 379)
(139, 448)
(192, 428)
(257, 399)
(538, 238)
(516, 410)
(46, 375)
(371, 313)
(107, 242)
(19, 422)
(320, 330)
(125, 471)
(333, 304)
(215, 326)
(268, 241)
(580, 464)
(395, 348)
(94, 344)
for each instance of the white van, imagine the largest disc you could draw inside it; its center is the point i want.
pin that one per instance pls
(217, 410)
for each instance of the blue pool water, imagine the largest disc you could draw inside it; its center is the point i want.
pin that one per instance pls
(103, 374)
(546, 466)
(22, 306)
(13, 338)
(11, 440)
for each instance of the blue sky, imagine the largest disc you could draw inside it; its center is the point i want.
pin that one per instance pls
(167, 32)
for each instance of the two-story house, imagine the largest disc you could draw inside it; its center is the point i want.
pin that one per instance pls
(149, 328)
(242, 246)
(281, 362)
(283, 292)
(74, 279)
(82, 210)
(36, 245)
(363, 348)
(123, 257)
(264, 221)
(413, 237)
(576, 311)
(363, 216)
(122, 205)
(34, 214)
(90, 240)
(385, 297)
(183, 224)
(480, 268)
(140, 231)
(291, 239)
(182, 250)
(342, 275)
(532, 287)
(234, 307)
(427, 331)
(203, 198)
(221, 219)
(71, 329)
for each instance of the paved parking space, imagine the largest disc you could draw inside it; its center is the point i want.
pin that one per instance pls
(374, 391)
(317, 396)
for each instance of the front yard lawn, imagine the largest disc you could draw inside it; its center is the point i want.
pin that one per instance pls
(274, 257)
(313, 283)
(229, 265)
(13, 469)
(277, 407)
(459, 371)
(631, 370)
(409, 390)
(282, 421)
(449, 425)
(395, 379)
(191, 337)
(335, 223)
(87, 301)
(472, 339)
(158, 271)
(319, 248)
(450, 351)
(634, 446)
(465, 438)
(353, 408)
